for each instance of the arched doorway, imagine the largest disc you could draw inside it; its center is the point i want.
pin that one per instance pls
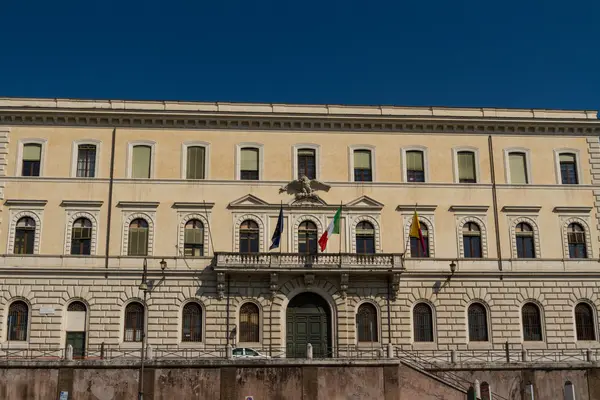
(76, 324)
(308, 320)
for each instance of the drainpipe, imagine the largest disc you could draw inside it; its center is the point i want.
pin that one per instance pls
(110, 198)
(495, 202)
(389, 319)
(227, 309)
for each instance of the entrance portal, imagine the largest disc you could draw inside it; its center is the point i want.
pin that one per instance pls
(308, 320)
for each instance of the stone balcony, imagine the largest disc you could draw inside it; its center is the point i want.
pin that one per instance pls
(291, 262)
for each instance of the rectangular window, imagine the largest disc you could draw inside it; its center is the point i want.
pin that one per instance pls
(415, 169)
(517, 163)
(32, 156)
(568, 169)
(249, 164)
(307, 163)
(466, 167)
(86, 161)
(195, 162)
(362, 166)
(141, 162)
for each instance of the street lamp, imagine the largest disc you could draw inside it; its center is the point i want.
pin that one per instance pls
(143, 287)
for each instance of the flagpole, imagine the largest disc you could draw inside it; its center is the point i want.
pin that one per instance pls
(281, 234)
(341, 235)
(407, 245)
(208, 226)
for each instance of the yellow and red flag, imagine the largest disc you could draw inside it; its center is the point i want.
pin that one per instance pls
(415, 231)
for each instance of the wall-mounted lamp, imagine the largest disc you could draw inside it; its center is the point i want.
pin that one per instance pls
(163, 264)
(452, 267)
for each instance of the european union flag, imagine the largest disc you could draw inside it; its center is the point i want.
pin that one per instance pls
(278, 230)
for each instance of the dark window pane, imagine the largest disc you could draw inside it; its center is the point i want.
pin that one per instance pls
(532, 323)
(86, 161)
(576, 239)
(81, 237)
(584, 322)
(134, 322)
(423, 323)
(477, 323)
(249, 236)
(18, 318)
(249, 326)
(306, 163)
(307, 238)
(191, 323)
(25, 236)
(365, 238)
(568, 169)
(31, 168)
(366, 321)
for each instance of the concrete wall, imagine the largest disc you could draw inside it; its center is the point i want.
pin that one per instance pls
(280, 380)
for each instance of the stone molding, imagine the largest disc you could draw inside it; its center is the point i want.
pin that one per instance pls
(72, 216)
(584, 222)
(428, 221)
(239, 219)
(461, 220)
(128, 217)
(530, 220)
(14, 218)
(184, 218)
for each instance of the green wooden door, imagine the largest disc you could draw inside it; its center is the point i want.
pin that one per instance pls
(307, 321)
(77, 340)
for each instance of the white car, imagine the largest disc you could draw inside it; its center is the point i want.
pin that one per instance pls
(245, 352)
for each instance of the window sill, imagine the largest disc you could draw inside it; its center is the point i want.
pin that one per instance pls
(483, 345)
(424, 346)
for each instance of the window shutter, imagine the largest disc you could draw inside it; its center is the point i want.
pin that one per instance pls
(193, 236)
(249, 160)
(195, 162)
(466, 165)
(518, 169)
(567, 157)
(141, 162)
(32, 152)
(414, 160)
(362, 159)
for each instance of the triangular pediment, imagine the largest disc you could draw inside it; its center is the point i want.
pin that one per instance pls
(248, 200)
(308, 201)
(365, 202)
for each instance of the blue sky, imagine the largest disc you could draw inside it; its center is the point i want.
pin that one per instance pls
(527, 53)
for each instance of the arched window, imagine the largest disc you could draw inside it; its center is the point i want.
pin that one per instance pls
(193, 242)
(249, 234)
(365, 238)
(138, 238)
(423, 323)
(25, 236)
(134, 322)
(18, 318)
(532, 322)
(366, 323)
(77, 306)
(485, 391)
(307, 238)
(576, 239)
(416, 246)
(249, 327)
(472, 240)
(81, 237)
(584, 322)
(477, 323)
(525, 242)
(191, 325)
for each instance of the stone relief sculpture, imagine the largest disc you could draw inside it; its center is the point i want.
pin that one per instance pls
(304, 187)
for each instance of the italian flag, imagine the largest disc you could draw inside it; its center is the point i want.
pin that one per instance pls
(333, 228)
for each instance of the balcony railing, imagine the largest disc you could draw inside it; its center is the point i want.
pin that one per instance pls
(296, 261)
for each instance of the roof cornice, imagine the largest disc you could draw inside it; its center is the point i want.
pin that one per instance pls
(387, 119)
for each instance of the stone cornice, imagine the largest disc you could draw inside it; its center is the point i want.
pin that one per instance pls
(386, 119)
(138, 204)
(25, 203)
(188, 205)
(521, 209)
(82, 203)
(572, 209)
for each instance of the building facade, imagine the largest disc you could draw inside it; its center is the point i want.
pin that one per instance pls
(507, 200)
